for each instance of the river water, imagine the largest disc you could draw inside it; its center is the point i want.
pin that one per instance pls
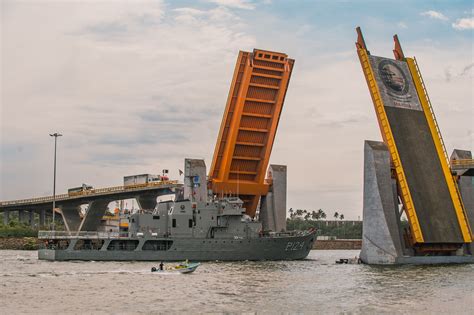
(314, 285)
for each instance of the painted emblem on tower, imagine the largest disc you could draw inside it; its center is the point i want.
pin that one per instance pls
(395, 83)
(393, 77)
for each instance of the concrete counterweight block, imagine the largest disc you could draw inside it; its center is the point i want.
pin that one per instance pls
(273, 205)
(381, 243)
(382, 235)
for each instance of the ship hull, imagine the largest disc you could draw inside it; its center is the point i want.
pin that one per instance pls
(195, 249)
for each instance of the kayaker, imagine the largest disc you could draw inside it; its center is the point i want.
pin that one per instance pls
(161, 266)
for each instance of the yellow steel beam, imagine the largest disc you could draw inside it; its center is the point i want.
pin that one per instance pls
(436, 136)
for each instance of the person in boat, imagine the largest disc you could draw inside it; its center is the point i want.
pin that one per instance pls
(184, 264)
(161, 266)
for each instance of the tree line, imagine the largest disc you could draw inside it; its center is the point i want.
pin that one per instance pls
(302, 219)
(312, 215)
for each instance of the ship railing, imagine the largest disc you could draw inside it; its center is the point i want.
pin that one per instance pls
(81, 235)
(290, 233)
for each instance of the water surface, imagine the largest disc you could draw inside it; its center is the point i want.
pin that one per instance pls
(315, 285)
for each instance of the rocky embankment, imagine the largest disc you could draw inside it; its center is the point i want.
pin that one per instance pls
(19, 243)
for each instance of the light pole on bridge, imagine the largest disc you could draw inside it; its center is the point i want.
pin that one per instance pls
(55, 135)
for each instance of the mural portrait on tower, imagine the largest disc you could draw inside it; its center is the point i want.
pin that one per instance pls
(395, 83)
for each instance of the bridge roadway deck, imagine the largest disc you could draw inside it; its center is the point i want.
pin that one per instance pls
(433, 202)
(112, 193)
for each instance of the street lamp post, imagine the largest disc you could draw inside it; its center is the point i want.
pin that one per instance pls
(55, 135)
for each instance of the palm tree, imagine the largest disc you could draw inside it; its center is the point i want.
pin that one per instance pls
(341, 216)
(322, 214)
(315, 215)
(291, 213)
(336, 215)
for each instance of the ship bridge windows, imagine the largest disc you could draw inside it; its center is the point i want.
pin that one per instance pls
(157, 245)
(125, 245)
(85, 244)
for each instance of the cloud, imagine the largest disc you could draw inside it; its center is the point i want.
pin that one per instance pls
(447, 75)
(467, 69)
(128, 86)
(136, 87)
(238, 4)
(434, 15)
(402, 24)
(464, 24)
(190, 11)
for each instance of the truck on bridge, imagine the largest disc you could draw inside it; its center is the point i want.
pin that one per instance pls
(143, 180)
(84, 189)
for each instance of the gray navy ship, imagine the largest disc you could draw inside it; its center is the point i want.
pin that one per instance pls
(193, 227)
(198, 231)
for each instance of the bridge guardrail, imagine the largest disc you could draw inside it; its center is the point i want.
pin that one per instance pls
(81, 235)
(91, 192)
(467, 163)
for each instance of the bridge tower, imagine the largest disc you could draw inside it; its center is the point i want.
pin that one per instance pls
(249, 125)
(409, 172)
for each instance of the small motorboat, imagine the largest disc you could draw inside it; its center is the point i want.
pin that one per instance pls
(354, 260)
(180, 268)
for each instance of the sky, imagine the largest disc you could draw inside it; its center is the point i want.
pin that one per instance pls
(137, 86)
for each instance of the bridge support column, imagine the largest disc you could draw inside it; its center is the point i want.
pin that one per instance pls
(273, 205)
(147, 201)
(6, 217)
(71, 217)
(21, 216)
(94, 214)
(31, 218)
(466, 187)
(42, 217)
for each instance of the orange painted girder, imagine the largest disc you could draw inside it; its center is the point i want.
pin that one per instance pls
(249, 125)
